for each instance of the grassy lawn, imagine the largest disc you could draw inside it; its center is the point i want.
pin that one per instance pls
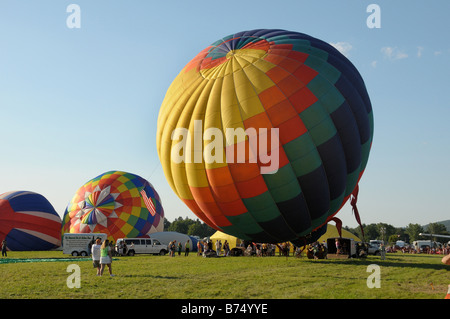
(163, 277)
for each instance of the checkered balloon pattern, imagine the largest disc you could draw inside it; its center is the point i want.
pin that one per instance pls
(257, 81)
(117, 203)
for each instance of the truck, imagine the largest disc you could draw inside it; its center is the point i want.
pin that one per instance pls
(348, 248)
(79, 244)
(141, 246)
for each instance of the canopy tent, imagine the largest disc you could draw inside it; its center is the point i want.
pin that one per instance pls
(330, 233)
(232, 240)
(333, 232)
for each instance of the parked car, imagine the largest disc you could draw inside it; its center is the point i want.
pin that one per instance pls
(374, 249)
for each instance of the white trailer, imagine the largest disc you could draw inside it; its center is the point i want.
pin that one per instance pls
(348, 248)
(79, 244)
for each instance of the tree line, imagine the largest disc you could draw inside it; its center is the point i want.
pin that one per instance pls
(189, 227)
(379, 231)
(391, 234)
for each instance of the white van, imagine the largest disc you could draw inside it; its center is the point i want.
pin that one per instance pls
(425, 245)
(141, 246)
(79, 244)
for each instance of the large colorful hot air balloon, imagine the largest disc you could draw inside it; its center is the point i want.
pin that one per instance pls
(308, 127)
(28, 222)
(116, 203)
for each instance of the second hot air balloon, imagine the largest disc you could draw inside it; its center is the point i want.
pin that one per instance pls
(117, 203)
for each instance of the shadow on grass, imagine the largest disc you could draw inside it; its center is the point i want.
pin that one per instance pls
(53, 259)
(151, 276)
(390, 261)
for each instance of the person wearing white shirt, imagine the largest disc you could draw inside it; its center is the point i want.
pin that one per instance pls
(95, 250)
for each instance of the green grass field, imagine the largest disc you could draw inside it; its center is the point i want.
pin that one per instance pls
(193, 277)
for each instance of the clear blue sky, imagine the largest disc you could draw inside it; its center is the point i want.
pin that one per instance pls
(75, 103)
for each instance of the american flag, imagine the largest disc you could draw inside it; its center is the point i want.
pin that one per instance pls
(148, 202)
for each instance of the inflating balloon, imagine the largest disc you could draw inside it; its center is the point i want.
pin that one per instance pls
(116, 203)
(28, 222)
(265, 135)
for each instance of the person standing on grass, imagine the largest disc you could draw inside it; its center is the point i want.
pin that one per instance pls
(4, 248)
(105, 257)
(227, 248)
(338, 246)
(180, 246)
(383, 252)
(218, 246)
(187, 246)
(199, 248)
(95, 251)
(172, 248)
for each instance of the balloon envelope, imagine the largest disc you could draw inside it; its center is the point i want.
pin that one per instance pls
(308, 127)
(28, 222)
(117, 203)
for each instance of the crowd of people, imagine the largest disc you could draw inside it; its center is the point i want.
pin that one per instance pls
(444, 250)
(208, 248)
(318, 250)
(178, 247)
(102, 252)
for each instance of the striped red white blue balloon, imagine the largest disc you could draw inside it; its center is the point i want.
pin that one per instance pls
(28, 221)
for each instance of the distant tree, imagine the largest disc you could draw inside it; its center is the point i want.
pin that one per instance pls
(438, 229)
(180, 225)
(190, 227)
(408, 234)
(200, 229)
(393, 239)
(196, 229)
(166, 224)
(388, 231)
(413, 230)
(371, 232)
(400, 231)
